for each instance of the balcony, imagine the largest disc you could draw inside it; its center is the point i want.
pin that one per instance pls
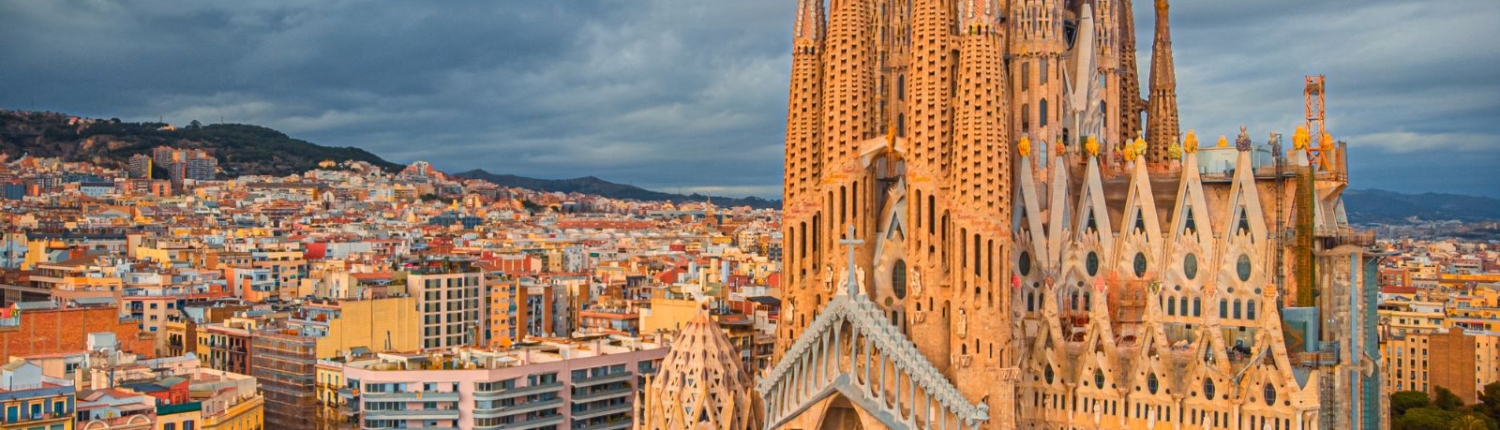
(422, 414)
(526, 425)
(517, 392)
(411, 396)
(601, 411)
(602, 395)
(524, 408)
(611, 425)
(602, 379)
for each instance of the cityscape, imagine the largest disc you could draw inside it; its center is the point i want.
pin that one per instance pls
(985, 218)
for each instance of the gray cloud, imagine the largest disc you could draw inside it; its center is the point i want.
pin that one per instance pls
(690, 94)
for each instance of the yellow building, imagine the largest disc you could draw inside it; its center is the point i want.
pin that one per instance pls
(180, 416)
(1412, 317)
(390, 324)
(330, 377)
(668, 315)
(248, 414)
(1405, 363)
(1462, 362)
(29, 400)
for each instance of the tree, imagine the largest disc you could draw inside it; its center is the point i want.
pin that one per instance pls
(195, 125)
(1473, 421)
(1424, 419)
(1402, 401)
(1489, 401)
(1446, 400)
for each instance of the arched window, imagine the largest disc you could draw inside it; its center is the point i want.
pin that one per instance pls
(898, 279)
(1043, 74)
(1025, 75)
(1237, 308)
(1171, 307)
(1041, 113)
(1025, 117)
(1250, 309)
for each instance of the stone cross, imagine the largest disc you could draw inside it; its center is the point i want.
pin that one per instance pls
(852, 242)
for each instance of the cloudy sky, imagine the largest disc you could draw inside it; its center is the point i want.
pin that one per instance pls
(689, 95)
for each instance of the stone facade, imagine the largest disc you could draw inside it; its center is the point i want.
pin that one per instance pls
(972, 239)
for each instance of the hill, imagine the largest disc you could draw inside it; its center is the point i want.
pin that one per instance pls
(241, 149)
(593, 185)
(1388, 207)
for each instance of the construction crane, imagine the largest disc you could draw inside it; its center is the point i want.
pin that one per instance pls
(1322, 144)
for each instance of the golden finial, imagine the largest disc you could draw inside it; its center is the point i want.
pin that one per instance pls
(1059, 149)
(1174, 151)
(1223, 141)
(1327, 140)
(1092, 145)
(1300, 138)
(1190, 144)
(1024, 146)
(1135, 149)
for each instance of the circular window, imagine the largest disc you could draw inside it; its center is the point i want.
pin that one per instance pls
(898, 279)
(1025, 263)
(1047, 374)
(1243, 267)
(1098, 378)
(1092, 263)
(1270, 394)
(1140, 265)
(1208, 389)
(1190, 266)
(1152, 384)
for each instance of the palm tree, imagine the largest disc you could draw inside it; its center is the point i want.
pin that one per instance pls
(1469, 422)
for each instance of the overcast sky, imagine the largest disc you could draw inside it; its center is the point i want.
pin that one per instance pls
(689, 95)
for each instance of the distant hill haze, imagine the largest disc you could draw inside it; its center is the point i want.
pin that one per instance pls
(241, 149)
(1389, 207)
(596, 186)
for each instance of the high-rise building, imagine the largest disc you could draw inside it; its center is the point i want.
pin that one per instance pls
(968, 242)
(139, 166)
(452, 300)
(284, 363)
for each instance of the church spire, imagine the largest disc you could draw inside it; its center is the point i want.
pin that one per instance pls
(810, 22)
(1162, 128)
(1130, 81)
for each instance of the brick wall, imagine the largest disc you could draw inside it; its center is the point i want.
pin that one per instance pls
(66, 330)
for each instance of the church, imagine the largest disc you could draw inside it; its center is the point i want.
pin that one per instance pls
(987, 225)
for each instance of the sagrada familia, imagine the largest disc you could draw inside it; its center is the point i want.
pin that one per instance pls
(980, 231)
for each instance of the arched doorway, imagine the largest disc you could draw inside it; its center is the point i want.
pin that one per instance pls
(840, 415)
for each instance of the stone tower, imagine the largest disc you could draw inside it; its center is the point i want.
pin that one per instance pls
(899, 136)
(804, 162)
(1162, 130)
(1107, 35)
(1129, 110)
(1037, 47)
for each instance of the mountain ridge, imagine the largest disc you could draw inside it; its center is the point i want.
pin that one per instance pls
(241, 149)
(1377, 206)
(594, 185)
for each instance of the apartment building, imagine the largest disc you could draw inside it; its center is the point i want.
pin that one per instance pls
(588, 385)
(451, 298)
